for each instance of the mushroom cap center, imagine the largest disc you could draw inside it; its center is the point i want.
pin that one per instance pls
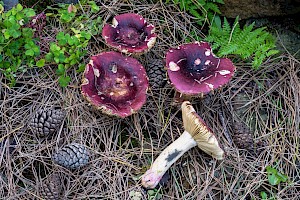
(196, 66)
(130, 36)
(116, 87)
(117, 84)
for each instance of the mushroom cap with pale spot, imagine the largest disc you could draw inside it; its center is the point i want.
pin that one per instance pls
(115, 84)
(129, 33)
(201, 133)
(194, 70)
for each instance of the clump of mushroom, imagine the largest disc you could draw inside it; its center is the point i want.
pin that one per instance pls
(195, 71)
(115, 84)
(196, 133)
(129, 33)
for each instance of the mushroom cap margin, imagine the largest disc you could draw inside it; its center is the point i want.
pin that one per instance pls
(201, 133)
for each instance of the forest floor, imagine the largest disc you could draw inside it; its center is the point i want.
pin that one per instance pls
(264, 102)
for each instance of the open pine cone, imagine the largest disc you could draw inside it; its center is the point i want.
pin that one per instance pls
(72, 156)
(243, 137)
(50, 188)
(46, 122)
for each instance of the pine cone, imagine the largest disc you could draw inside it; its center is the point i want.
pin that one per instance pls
(260, 146)
(156, 73)
(72, 156)
(46, 122)
(50, 188)
(242, 137)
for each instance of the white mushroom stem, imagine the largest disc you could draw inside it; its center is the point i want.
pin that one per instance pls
(164, 161)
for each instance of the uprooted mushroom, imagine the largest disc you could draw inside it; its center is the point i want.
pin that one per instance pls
(196, 132)
(129, 33)
(194, 70)
(115, 84)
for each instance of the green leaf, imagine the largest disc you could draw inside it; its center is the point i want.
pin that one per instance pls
(273, 179)
(29, 52)
(73, 61)
(61, 57)
(272, 52)
(6, 34)
(29, 12)
(151, 192)
(54, 47)
(16, 33)
(27, 45)
(60, 70)
(36, 49)
(49, 57)
(86, 35)
(40, 63)
(56, 60)
(20, 15)
(195, 13)
(94, 6)
(210, 6)
(60, 36)
(71, 40)
(27, 32)
(62, 42)
(283, 178)
(81, 68)
(217, 22)
(67, 17)
(263, 195)
(19, 7)
(64, 81)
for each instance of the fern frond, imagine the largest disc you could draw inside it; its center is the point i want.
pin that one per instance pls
(195, 13)
(217, 36)
(227, 49)
(213, 7)
(247, 42)
(272, 52)
(226, 28)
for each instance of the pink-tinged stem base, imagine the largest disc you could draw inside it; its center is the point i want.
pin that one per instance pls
(164, 161)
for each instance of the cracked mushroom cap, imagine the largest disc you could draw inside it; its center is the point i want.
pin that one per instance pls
(194, 70)
(129, 33)
(115, 84)
(201, 133)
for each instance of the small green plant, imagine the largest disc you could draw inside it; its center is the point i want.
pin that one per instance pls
(18, 49)
(70, 47)
(201, 10)
(265, 196)
(154, 194)
(68, 51)
(275, 177)
(246, 42)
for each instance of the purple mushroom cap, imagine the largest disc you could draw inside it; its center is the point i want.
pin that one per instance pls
(194, 70)
(115, 84)
(129, 33)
